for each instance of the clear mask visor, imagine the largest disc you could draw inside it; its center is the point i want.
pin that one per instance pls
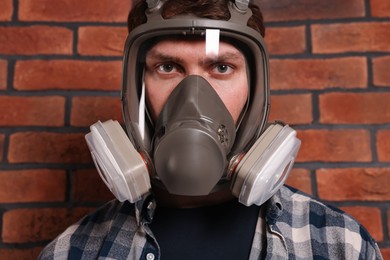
(156, 60)
(165, 61)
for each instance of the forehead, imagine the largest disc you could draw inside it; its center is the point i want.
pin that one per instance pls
(193, 47)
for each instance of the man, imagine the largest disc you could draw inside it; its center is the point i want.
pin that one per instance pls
(202, 177)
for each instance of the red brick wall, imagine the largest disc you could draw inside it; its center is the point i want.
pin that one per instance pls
(60, 71)
(330, 78)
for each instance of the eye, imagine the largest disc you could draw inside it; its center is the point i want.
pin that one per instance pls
(166, 68)
(223, 69)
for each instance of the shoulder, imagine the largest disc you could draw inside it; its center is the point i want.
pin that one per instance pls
(306, 222)
(301, 206)
(88, 235)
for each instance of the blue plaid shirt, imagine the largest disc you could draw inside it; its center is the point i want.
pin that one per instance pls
(291, 225)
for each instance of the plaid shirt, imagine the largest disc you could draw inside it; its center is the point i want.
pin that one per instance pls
(291, 225)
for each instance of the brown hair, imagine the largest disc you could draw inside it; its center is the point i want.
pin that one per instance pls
(211, 9)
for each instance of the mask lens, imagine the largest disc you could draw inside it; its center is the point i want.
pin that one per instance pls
(163, 62)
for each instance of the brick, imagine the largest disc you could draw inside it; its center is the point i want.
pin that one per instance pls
(388, 224)
(68, 75)
(385, 251)
(380, 8)
(88, 186)
(18, 186)
(32, 111)
(88, 110)
(354, 108)
(6, 11)
(3, 74)
(20, 254)
(286, 40)
(369, 217)
(318, 73)
(288, 10)
(362, 184)
(292, 109)
(381, 76)
(341, 145)
(33, 225)
(1, 146)
(46, 147)
(352, 37)
(383, 145)
(33, 40)
(103, 40)
(300, 179)
(74, 10)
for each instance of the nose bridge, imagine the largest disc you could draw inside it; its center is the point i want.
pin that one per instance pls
(194, 67)
(195, 71)
(197, 67)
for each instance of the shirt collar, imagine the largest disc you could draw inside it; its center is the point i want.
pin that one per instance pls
(273, 208)
(144, 209)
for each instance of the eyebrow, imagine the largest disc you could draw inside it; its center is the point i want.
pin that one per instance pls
(228, 55)
(154, 54)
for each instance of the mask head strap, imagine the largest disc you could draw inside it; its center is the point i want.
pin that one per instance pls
(153, 4)
(240, 7)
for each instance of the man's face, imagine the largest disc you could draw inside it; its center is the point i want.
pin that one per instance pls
(170, 61)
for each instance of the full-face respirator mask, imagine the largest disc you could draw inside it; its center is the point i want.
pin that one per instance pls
(194, 147)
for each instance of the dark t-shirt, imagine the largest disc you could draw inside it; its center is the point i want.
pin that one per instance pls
(222, 231)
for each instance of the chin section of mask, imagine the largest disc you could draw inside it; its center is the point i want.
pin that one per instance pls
(264, 169)
(190, 161)
(119, 164)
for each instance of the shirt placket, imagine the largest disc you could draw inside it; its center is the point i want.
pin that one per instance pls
(145, 211)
